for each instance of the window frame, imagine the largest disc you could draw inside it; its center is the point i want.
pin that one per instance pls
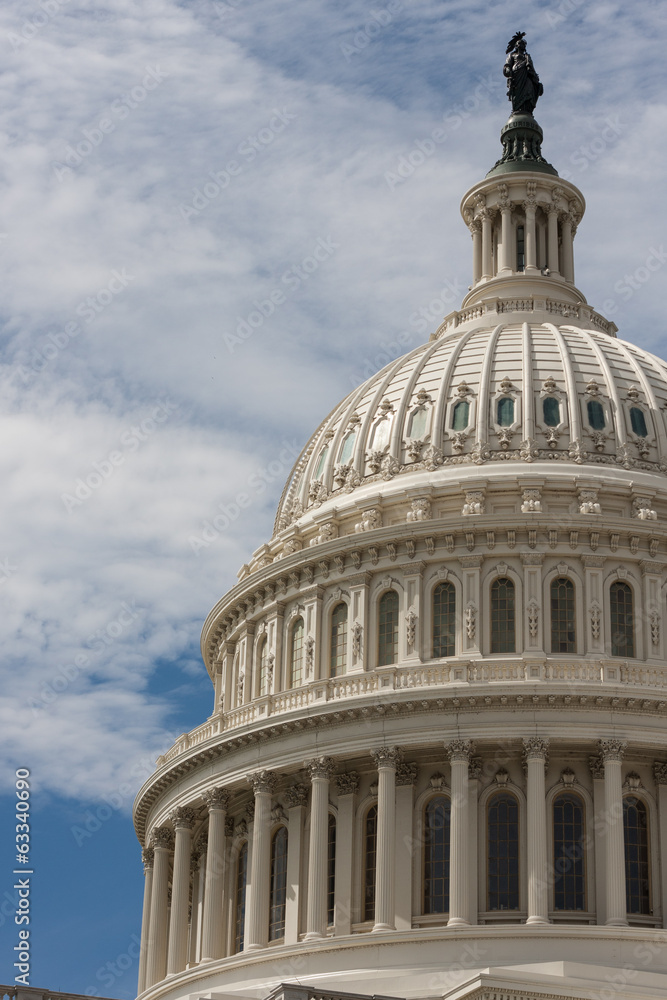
(636, 632)
(340, 672)
(456, 617)
(239, 908)
(649, 913)
(378, 645)
(556, 579)
(560, 792)
(298, 618)
(493, 793)
(431, 797)
(517, 623)
(281, 887)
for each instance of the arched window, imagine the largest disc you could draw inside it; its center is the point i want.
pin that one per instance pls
(263, 667)
(444, 613)
(505, 412)
(595, 415)
(331, 868)
(347, 448)
(239, 896)
(551, 411)
(388, 629)
(278, 888)
(569, 866)
(370, 856)
(520, 248)
(638, 421)
(296, 654)
(460, 415)
(502, 616)
(622, 620)
(503, 852)
(338, 648)
(436, 855)
(637, 875)
(562, 616)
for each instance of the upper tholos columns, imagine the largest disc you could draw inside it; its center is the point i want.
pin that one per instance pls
(183, 821)
(257, 922)
(386, 759)
(459, 756)
(612, 752)
(212, 921)
(320, 770)
(535, 750)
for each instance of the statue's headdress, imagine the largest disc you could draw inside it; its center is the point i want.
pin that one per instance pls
(513, 41)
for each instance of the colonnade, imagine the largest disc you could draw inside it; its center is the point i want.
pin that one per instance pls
(558, 248)
(171, 940)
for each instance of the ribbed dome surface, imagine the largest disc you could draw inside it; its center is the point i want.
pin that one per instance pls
(516, 391)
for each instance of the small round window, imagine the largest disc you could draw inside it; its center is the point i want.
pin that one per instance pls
(505, 412)
(460, 415)
(595, 415)
(551, 411)
(638, 421)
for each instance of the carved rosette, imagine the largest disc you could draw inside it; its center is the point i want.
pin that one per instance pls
(660, 772)
(162, 838)
(612, 749)
(406, 774)
(297, 795)
(183, 818)
(263, 782)
(535, 748)
(459, 750)
(347, 784)
(216, 799)
(387, 756)
(148, 857)
(320, 767)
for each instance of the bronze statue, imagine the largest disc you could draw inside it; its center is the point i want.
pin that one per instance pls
(523, 83)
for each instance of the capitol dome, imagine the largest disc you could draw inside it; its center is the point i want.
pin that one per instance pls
(436, 764)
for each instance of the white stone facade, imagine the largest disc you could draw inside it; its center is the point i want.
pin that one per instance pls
(437, 759)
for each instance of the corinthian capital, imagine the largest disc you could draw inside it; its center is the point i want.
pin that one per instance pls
(387, 756)
(162, 837)
(459, 750)
(263, 781)
(535, 748)
(147, 857)
(216, 798)
(347, 784)
(183, 818)
(320, 767)
(612, 749)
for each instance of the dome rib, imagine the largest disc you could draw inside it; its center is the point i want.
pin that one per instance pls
(481, 430)
(661, 433)
(398, 433)
(527, 387)
(445, 389)
(612, 389)
(570, 384)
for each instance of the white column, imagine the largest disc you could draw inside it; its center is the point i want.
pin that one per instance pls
(197, 922)
(474, 773)
(183, 821)
(406, 775)
(535, 750)
(147, 858)
(568, 249)
(487, 249)
(476, 231)
(213, 932)
(612, 752)
(459, 756)
(660, 775)
(531, 251)
(156, 959)
(386, 759)
(321, 769)
(552, 242)
(347, 785)
(506, 264)
(194, 910)
(596, 765)
(263, 783)
(297, 797)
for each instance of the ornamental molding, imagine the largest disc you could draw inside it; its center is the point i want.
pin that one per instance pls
(387, 756)
(531, 501)
(370, 520)
(474, 503)
(347, 784)
(533, 617)
(596, 766)
(532, 558)
(594, 616)
(459, 750)
(612, 749)
(406, 774)
(501, 777)
(568, 777)
(320, 767)
(147, 858)
(357, 636)
(296, 795)
(470, 617)
(183, 818)
(659, 772)
(411, 627)
(216, 799)
(633, 782)
(420, 510)
(263, 782)
(535, 748)
(162, 838)
(437, 781)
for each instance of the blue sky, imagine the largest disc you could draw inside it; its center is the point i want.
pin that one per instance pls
(164, 168)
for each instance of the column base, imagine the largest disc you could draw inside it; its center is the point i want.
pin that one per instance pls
(616, 922)
(458, 922)
(383, 927)
(314, 936)
(540, 921)
(255, 947)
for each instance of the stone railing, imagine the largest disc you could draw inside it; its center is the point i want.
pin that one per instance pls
(477, 675)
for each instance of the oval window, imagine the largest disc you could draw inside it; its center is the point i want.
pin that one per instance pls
(505, 412)
(460, 415)
(380, 435)
(348, 448)
(595, 415)
(418, 423)
(638, 421)
(551, 411)
(321, 460)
